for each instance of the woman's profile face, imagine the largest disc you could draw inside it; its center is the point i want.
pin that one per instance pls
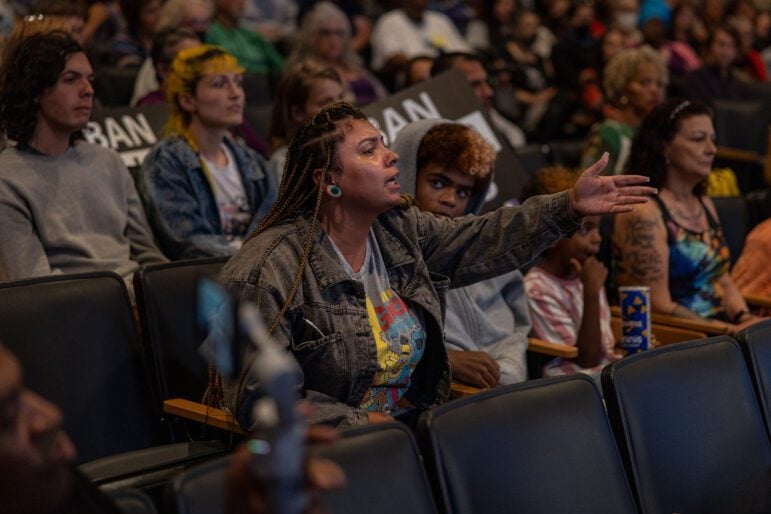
(330, 39)
(645, 89)
(368, 175)
(219, 100)
(692, 150)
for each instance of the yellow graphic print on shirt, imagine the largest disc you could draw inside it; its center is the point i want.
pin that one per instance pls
(399, 338)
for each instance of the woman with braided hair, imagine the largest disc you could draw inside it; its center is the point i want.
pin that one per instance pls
(351, 276)
(203, 191)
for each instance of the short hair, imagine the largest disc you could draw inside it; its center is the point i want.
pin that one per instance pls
(549, 180)
(620, 70)
(447, 61)
(458, 147)
(293, 90)
(165, 39)
(726, 29)
(657, 129)
(170, 14)
(131, 10)
(187, 69)
(304, 47)
(29, 68)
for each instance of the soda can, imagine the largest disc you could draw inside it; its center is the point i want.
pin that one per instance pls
(635, 318)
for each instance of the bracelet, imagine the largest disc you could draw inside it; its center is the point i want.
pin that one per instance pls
(739, 315)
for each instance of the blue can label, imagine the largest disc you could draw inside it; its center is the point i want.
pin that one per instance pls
(635, 318)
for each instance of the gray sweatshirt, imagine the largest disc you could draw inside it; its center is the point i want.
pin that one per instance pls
(71, 213)
(490, 316)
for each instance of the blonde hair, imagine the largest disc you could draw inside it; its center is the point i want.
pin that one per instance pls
(621, 68)
(188, 68)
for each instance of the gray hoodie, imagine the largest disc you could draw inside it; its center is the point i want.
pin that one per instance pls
(492, 315)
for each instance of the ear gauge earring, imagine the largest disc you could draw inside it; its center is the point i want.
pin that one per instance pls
(623, 100)
(334, 191)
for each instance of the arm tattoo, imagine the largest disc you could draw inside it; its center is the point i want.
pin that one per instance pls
(645, 262)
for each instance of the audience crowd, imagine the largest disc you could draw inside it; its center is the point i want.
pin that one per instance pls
(340, 239)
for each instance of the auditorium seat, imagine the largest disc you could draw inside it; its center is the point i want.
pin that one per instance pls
(166, 300)
(756, 345)
(381, 463)
(542, 446)
(690, 429)
(77, 340)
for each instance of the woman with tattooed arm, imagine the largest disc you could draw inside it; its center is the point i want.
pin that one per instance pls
(675, 245)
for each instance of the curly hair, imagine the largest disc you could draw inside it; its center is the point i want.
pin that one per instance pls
(31, 66)
(292, 92)
(657, 129)
(549, 180)
(621, 68)
(456, 146)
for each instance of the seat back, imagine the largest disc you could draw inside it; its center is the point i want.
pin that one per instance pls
(166, 299)
(756, 345)
(690, 429)
(199, 490)
(734, 215)
(383, 472)
(132, 501)
(542, 446)
(76, 338)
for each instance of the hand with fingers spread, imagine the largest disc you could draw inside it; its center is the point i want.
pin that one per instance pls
(474, 368)
(595, 194)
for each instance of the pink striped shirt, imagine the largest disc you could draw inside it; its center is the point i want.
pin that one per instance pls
(556, 308)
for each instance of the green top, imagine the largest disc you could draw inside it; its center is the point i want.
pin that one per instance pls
(253, 52)
(612, 137)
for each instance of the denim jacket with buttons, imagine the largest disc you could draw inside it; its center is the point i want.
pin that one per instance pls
(180, 203)
(326, 326)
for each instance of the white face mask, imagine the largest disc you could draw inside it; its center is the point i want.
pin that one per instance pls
(626, 20)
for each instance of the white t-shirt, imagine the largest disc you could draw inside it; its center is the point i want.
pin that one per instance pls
(396, 33)
(230, 196)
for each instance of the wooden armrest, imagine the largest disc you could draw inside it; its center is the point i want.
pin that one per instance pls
(663, 334)
(458, 390)
(738, 155)
(553, 349)
(758, 301)
(708, 327)
(200, 413)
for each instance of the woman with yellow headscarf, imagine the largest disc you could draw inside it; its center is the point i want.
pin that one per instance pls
(204, 192)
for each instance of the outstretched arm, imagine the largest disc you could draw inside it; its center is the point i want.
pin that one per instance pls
(595, 194)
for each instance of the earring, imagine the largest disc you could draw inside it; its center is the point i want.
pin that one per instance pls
(334, 191)
(623, 100)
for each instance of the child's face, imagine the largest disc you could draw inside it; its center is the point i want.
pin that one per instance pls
(444, 192)
(584, 243)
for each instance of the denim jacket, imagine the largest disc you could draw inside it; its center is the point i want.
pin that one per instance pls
(180, 203)
(326, 326)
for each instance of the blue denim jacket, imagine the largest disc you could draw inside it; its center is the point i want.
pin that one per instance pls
(326, 327)
(180, 203)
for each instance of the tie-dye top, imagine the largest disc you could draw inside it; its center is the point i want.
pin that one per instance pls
(696, 261)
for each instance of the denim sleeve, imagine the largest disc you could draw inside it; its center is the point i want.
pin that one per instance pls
(174, 209)
(474, 248)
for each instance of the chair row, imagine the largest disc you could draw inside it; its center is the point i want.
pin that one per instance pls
(683, 432)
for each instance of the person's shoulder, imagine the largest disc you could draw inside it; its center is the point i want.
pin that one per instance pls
(170, 149)
(271, 252)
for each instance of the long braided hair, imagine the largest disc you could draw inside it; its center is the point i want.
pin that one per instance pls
(314, 146)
